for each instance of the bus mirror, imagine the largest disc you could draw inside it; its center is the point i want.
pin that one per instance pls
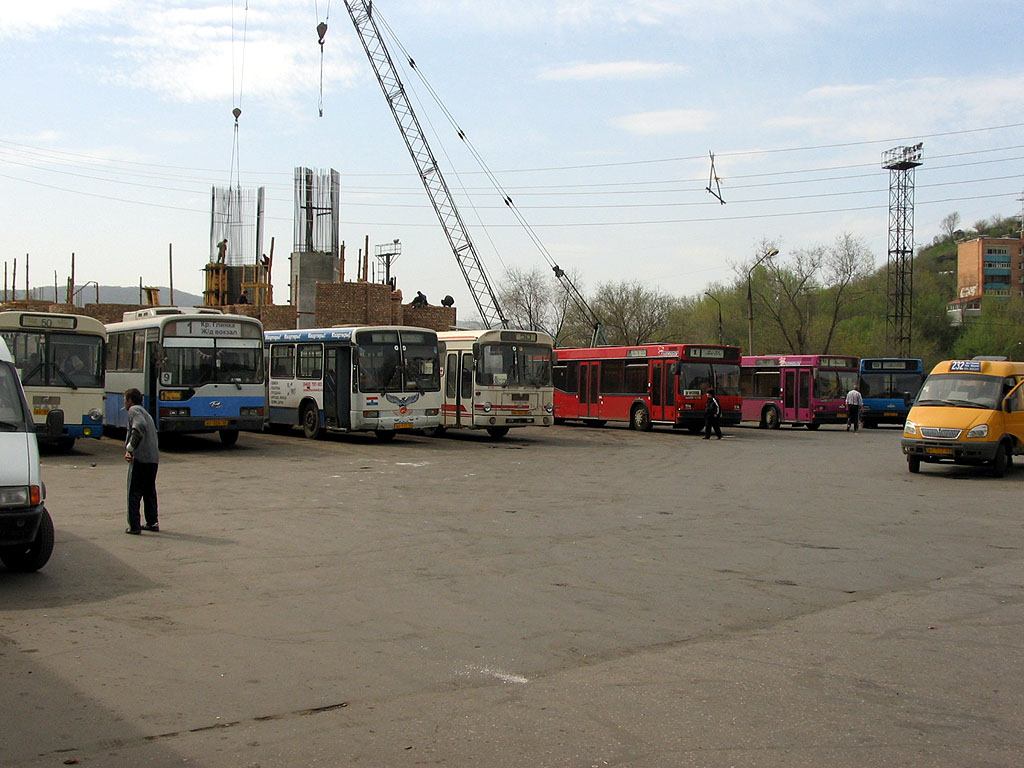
(673, 368)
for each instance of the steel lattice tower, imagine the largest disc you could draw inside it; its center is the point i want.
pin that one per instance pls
(900, 162)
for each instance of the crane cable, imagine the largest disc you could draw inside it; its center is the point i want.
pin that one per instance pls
(236, 93)
(321, 31)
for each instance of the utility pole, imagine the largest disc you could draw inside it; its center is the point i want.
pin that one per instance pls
(900, 162)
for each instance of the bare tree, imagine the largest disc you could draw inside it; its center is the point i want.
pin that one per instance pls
(632, 313)
(980, 226)
(529, 300)
(950, 224)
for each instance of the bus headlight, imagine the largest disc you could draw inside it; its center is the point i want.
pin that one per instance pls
(95, 415)
(487, 407)
(250, 411)
(979, 431)
(549, 408)
(432, 411)
(910, 428)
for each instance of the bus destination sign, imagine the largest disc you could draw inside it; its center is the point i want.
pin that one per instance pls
(890, 365)
(68, 323)
(837, 362)
(965, 365)
(217, 329)
(706, 353)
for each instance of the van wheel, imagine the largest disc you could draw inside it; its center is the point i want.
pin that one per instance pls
(26, 558)
(640, 419)
(770, 418)
(1003, 462)
(913, 464)
(311, 421)
(228, 437)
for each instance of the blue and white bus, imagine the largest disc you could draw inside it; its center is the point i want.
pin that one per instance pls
(60, 360)
(889, 386)
(382, 379)
(199, 370)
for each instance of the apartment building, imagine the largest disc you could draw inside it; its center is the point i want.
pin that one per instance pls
(986, 267)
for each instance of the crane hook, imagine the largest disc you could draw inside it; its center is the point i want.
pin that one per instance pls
(321, 30)
(237, 112)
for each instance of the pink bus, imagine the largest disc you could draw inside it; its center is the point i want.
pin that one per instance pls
(807, 390)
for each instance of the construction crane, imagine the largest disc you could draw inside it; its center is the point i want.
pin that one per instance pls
(426, 165)
(598, 338)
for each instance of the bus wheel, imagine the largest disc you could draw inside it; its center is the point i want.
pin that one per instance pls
(770, 418)
(497, 432)
(26, 558)
(437, 431)
(1003, 462)
(228, 437)
(385, 435)
(65, 444)
(311, 421)
(640, 420)
(872, 424)
(813, 427)
(695, 427)
(913, 464)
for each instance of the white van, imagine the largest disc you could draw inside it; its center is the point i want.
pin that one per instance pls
(26, 530)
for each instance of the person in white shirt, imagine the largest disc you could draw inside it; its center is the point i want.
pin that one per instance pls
(854, 403)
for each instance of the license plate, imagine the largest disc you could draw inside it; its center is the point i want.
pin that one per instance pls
(525, 412)
(403, 425)
(215, 423)
(941, 451)
(891, 413)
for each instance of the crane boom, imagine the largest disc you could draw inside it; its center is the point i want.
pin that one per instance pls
(361, 12)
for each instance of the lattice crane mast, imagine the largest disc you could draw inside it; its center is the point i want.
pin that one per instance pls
(461, 244)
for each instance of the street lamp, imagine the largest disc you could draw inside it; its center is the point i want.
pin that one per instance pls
(750, 298)
(720, 337)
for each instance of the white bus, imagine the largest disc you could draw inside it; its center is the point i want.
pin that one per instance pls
(199, 370)
(382, 379)
(496, 380)
(60, 359)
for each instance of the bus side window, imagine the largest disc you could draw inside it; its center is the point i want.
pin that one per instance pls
(451, 376)
(467, 376)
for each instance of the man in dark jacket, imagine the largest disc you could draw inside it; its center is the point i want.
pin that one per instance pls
(142, 453)
(712, 416)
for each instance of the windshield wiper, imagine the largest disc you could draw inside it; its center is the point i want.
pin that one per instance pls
(967, 404)
(9, 426)
(65, 377)
(932, 402)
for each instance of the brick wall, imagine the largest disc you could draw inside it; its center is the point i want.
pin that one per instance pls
(275, 317)
(436, 318)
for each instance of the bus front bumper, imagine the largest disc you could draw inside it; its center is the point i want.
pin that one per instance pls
(958, 451)
(182, 425)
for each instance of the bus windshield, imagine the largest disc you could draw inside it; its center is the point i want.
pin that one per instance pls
(57, 359)
(514, 365)
(422, 372)
(195, 366)
(903, 385)
(727, 379)
(724, 377)
(971, 391)
(829, 384)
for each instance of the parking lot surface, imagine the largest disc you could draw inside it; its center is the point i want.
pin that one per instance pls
(563, 597)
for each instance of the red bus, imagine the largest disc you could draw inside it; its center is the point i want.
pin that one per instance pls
(663, 384)
(808, 390)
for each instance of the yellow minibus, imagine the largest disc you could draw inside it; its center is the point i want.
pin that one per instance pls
(968, 412)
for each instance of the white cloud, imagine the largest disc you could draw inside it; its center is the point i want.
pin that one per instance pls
(667, 121)
(614, 70)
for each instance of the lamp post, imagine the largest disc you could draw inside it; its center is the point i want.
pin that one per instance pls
(750, 298)
(720, 337)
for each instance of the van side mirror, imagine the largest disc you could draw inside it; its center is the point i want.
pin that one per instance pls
(1007, 405)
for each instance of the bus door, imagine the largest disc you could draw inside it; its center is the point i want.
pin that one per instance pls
(796, 395)
(151, 367)
(588, 389)
(464, 403)
(662, 397)
(338, 386)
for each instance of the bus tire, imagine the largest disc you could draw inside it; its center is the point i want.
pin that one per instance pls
(385, 435)
(65, 444)
(228, 437)
(913, 464)
(1003, 462)
(770, 418)
(437, 431)
(870, 424)
(813, 427)
(695, 427)
(26, 558)
(497, 432)
(311, 421)
(640, 419)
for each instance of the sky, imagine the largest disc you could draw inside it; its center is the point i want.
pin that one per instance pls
(596, 117)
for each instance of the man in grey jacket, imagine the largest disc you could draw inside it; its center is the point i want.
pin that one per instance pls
(143, 456)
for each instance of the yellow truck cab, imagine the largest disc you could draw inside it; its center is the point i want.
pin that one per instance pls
(968, 412)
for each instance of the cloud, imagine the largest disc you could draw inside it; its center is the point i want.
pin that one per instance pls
(614, 70)
(667, 121)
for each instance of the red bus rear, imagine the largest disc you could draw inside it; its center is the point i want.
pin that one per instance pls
(664, 384)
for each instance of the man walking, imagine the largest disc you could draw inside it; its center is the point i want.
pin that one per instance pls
(854, 403)
(712, 416)
(143, 456)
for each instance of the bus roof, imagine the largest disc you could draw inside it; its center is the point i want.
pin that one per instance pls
(709, 352)
(51, 321)
(987, 367)
(159, 320)
(784, 360)
(335, 334)
(497, 334)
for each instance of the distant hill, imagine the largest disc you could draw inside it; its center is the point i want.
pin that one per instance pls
(112, 294)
